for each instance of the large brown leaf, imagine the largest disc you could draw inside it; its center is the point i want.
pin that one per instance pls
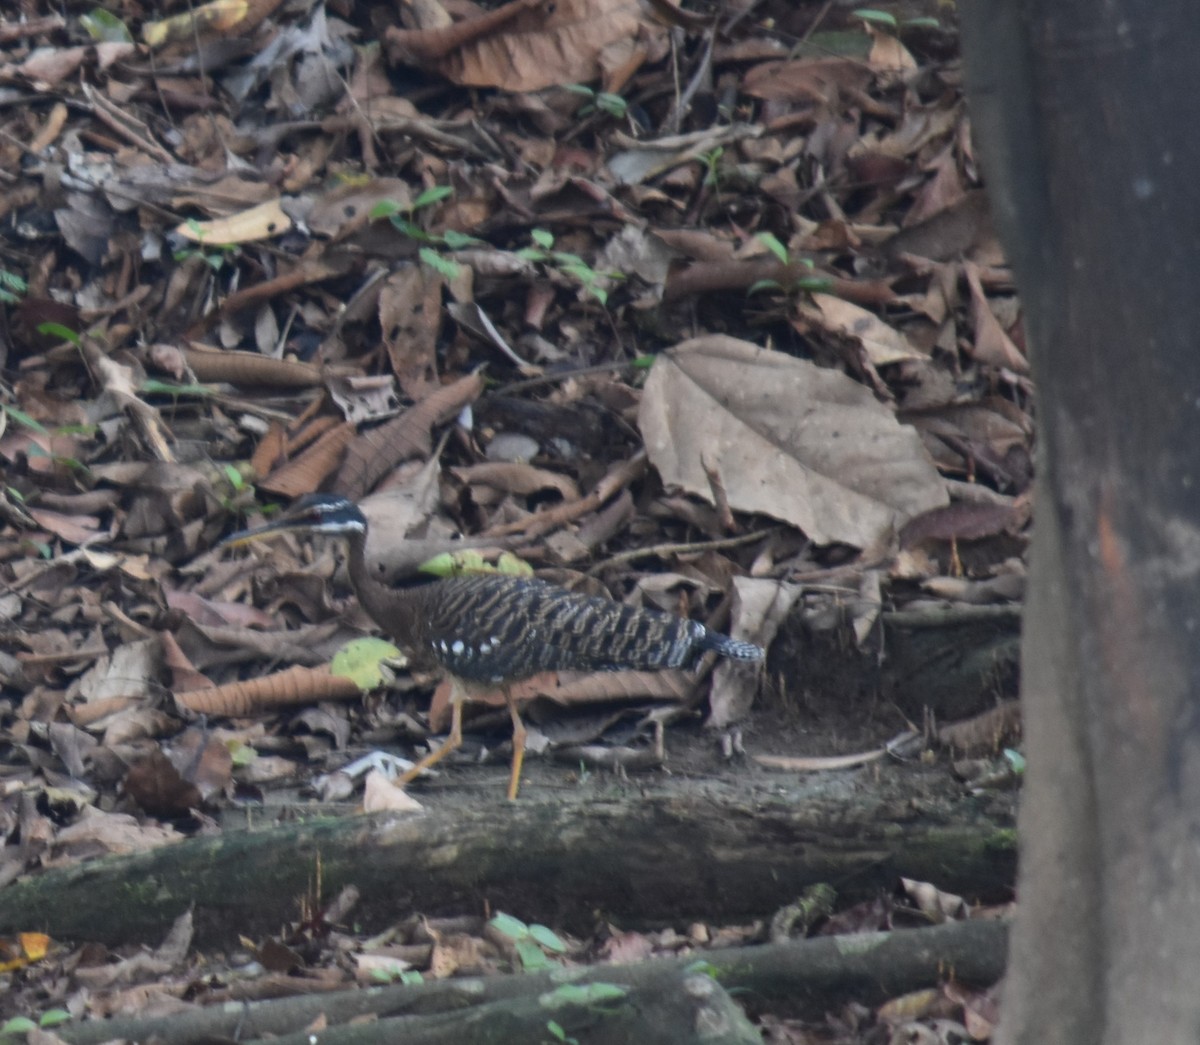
(789, 439)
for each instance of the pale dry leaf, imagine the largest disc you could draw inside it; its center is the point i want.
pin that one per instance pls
(882, 343)
(888, 54)
(992, 344)
(792, 440)
(132, 671)
(817, 763)
(760, 607)
(112, 833)
(548, 45)
(380, 795)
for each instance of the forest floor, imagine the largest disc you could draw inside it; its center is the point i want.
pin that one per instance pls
(698, 308)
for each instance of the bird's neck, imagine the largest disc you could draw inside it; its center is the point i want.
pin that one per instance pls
(393, 609)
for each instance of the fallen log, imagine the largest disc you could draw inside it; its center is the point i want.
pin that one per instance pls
(701, 853)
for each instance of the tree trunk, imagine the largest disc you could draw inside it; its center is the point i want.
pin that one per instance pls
(1085, 118)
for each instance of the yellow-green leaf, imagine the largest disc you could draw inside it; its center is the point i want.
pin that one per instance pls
(360, 661)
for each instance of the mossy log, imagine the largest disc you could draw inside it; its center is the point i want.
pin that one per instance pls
(665, 859)
(801, 978)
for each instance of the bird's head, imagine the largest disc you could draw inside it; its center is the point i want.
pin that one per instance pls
(314, 513)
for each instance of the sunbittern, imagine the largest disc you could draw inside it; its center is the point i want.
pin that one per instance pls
(490, 630)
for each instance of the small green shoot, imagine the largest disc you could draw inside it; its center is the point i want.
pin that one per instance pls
(530, 941)
(12, 287)
(612, 104)
(235, 477)
(1015, 760)
(22, 1025)
(772, 243)
(711, 161)
(443, 266)
(558, 1034)
(24, 420)
(889, 21)
(402, 216)
(59, 331)
(869, 14)
(214, 255)
(570, 265)
(811, 284)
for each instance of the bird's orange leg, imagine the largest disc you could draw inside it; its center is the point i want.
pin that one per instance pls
(518, 743)
(453, 742)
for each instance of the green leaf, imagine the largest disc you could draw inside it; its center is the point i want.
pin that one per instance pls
(556, 1031)
(547, 938)
(442, 265)
(581, 994)
(359, 660)
(531, 254)
(613, 104)
(235, 477)
(386, 208)
(18, 1025)
(411, 977)
(1015, 759)
(580, 88)
(814, 284)
(771, 242)
(456, 240)
(758, 286)
(432, 195)
(12, 287)
(561, 997)
(924, 22)
(59, 331)
(85, 430)
(513, 565)
(410, 230)
(869, 14)
(544, 238)
(242, 754)
(531, 956)
(506, 924)
(643, 362)
(24, 420)
(54, 1017)
(451, 564)
(152, 386)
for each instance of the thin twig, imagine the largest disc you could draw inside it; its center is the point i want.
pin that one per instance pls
(681, 548)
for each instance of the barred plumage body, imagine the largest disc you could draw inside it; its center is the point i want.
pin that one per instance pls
(496, 629)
